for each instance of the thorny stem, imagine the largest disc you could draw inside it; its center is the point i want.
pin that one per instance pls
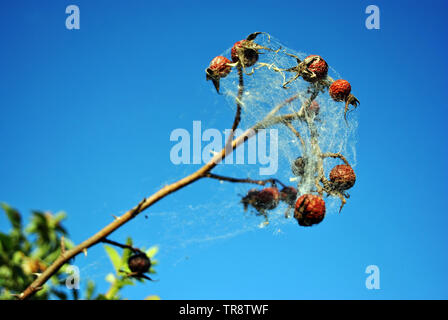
(144, 204)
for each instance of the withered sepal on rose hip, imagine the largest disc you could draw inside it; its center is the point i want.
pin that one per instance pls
(314, 68)
(340, 90)
(247, 51)
(310, 210)
(219, 68)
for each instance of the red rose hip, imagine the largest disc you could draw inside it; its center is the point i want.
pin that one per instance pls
(219, 68)
(317, 68)
(340, 90)
(342, 177)
(310, 210)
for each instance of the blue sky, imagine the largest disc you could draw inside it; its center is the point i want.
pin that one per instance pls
(86, 115)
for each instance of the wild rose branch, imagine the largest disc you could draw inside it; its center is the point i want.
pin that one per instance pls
(309, 208)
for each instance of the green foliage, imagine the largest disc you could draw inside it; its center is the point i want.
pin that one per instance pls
(26, 251)
(120, 278)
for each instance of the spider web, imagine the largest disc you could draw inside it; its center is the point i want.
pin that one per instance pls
(222, 216)
(200, 223)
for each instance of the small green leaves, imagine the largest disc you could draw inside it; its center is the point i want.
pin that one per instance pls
(13, 216)
(114, 257)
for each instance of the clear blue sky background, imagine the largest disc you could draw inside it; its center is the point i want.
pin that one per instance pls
(85, 119)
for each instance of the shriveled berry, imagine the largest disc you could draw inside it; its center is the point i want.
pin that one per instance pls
(288, 195)
(139, 263)
(317, 65)
(314, 107)
(219, 66)
(340, 90)
(342, 177)
(267, 198)
(242, 50)
(310, 209)
(249, 199)
(298, 166)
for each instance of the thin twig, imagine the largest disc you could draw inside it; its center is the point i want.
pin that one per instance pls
(120, 245)
(247, 180)
(238, 99)
(335, 155)
(297, 133)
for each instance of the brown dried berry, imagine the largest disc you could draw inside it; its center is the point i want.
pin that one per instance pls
(310, 209)
(267, 198)
(342, 177)
(139, 263)
(261, 200)
(288, 195)
(298, 166)
(314, 107)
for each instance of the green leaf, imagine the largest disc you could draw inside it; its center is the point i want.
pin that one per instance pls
(90, 289)
(153, 297)
(13, 216)
(114, 257)
(152, 251)
(110, 278)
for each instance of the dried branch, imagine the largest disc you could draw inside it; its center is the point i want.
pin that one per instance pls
(247, 180)
(142, 206)
(296, 133)
(238, 99)
(335, 155)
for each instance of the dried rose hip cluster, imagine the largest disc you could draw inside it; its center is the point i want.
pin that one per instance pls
(342, 177)
(310, 210)
(244, 53)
